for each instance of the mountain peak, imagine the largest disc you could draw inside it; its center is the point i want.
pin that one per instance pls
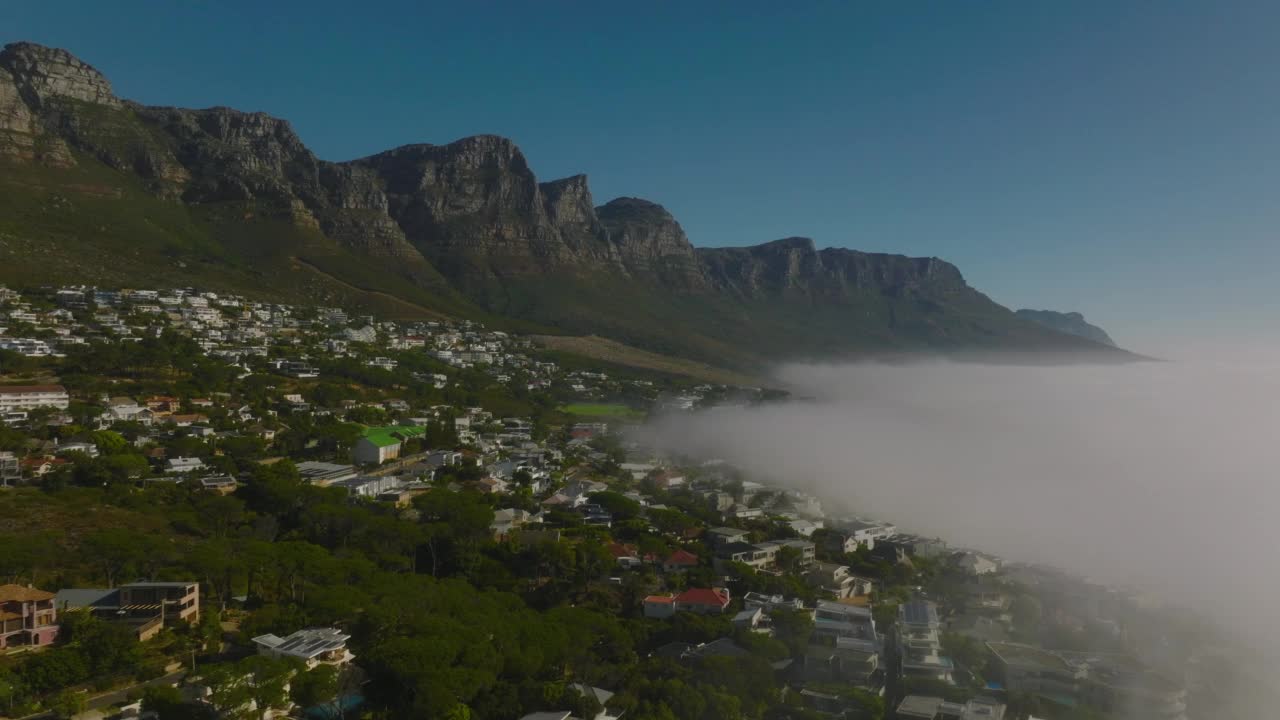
(788, 244)
(622, 206)
(1071, 323)
(44, 73)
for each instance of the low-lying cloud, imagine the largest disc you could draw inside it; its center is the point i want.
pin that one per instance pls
(1159, 475)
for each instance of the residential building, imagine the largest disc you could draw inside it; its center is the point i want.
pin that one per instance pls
(836, 581)
(1111, 684)
(846, 660)
(369, 486)
(769, 603)
(679, 560)
(804, 551)
(325, 474)
(10, 468)
(805, 528)
(850, 535)
(506, 520)
(717, 537)
(27, 617)
(223, 485)
(753, 619)
(146, 607)
(738, 552)
(976, 563)
(1028, 669)
(380, 444)
(27, 397)
(895, 548)
(183, 465)
(602, 698)
(920, 707)
(703, 601)
(659, 606)
(833, 620)
(85, 448)
(314, 646)
(920, 642)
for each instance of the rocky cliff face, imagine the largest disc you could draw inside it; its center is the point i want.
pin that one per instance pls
(47, 74)
(795, 267)
(473, 207)
(1071, 323)
(651, 244)
(571, 210)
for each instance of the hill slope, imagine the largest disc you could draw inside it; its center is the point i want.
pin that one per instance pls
(103, 190)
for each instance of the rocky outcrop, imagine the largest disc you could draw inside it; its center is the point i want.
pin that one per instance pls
(571, 210)
(651, 244)
(22, 136)
(45, 74)
(1071, 323)
(795, 267)
(18, 127)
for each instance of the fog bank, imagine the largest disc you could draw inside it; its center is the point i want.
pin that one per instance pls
(1159, 475)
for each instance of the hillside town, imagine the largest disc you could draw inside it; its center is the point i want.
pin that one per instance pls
(216, 507)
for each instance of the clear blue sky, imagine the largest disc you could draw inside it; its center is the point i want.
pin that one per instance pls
(1118, 158)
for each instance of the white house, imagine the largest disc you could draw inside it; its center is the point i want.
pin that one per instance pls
(27, 397)
(314, 646)
(183, 465)
(659, 606)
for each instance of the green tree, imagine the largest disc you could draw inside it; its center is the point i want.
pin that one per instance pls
(68, 703)
(166, 701)
(314, 687)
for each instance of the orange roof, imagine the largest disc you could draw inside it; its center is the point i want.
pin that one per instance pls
(618, 550)
(22, 593)
(682, 557)
(704, 596)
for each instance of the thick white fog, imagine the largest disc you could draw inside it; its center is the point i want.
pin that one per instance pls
(1159, 475)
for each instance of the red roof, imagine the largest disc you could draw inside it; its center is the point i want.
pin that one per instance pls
(715, 597)
(31, 388)
(618, 550)
(682, 557)
(663, 599)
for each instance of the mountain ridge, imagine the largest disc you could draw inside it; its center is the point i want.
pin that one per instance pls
(1071, 323)
(465, 226)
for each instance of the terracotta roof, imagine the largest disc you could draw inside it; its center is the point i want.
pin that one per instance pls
(31, 389)
(618, 550)
(704, 596)
(21, 593)
(682, 557)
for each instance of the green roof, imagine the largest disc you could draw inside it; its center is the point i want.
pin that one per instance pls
(392, 434)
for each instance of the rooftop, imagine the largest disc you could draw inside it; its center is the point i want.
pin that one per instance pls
(392, 434)
(306, 643)
(22, 593)
(14, 389)
(1027, 656)
(919, 706)
(920, 612)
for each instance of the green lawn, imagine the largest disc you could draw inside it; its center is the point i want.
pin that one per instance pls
(604, 410)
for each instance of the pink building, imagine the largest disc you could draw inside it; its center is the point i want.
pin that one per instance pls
(27, 616)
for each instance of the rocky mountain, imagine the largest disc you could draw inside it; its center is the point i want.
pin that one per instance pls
(102, 189)
(1071, 323)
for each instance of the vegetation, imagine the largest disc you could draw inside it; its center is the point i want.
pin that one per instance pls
(604, 410)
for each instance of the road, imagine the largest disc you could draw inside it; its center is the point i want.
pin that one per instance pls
(114, 697)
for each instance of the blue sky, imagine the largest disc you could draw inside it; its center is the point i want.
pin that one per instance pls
(1110, 157)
